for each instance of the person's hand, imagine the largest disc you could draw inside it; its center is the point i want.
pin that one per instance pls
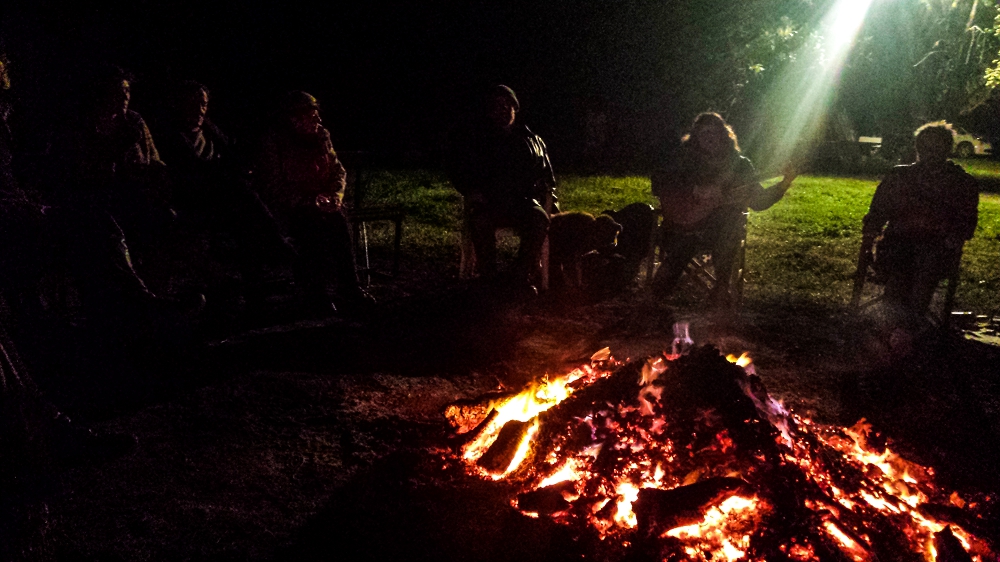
(328, 203)
(789, 172)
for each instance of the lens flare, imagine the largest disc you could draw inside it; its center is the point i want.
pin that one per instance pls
(801, 100)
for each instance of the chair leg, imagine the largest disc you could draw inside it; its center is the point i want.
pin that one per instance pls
(545, 264)
(467, 266)
(397, 243)
(651, 256)
(368, 265)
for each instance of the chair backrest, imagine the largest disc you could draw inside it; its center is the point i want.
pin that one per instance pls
(357, 164)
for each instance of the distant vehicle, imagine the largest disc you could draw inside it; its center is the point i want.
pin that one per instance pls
(967, 144)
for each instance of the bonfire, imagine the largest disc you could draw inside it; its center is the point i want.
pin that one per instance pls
(685, 456)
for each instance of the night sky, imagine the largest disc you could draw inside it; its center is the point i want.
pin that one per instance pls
(392, 75)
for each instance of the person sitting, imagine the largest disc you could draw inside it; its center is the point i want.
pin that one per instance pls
(502, 169)
(211, 195)
(110, 153)
(195, 150)
(111, 186)
(924, 212)
(302, 182)
(704, 196)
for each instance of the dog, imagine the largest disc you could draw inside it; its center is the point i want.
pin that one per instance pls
(638, 225)
(574, 234)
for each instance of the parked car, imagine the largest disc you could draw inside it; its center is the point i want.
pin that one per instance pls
(967, 144)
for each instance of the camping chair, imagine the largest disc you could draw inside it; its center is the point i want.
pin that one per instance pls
(864, 275)
(467, 265)
(359, 214)
(700, 273)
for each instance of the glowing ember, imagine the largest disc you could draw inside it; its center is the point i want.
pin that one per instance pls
(688, 458)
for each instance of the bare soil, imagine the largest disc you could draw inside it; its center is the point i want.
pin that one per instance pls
(324, 440)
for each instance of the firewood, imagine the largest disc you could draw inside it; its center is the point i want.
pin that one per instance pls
(960, 517)
(466, 414)
(658, 510)
(499, 455)
(949, 548)
(546, 501)
(470, 436)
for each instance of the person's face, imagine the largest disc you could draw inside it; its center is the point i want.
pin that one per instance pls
(307, 121)
(711, 137)
(502, 112)
(194, 110)
(118, 98)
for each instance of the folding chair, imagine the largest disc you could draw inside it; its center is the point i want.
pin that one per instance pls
(864, 275)
(467, 265)
(359, 214)
(700, 273)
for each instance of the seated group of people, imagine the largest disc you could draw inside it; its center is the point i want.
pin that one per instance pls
(109, 183)
(85, 236)
(922, 213)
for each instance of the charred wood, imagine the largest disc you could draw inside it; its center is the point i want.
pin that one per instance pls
(470, 436)
(548, 500)
(962, 518)
(658, 510)
(466, 414)
(949, 548)
(501, 453)
(889, 543)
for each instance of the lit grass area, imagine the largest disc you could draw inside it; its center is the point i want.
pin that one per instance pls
(802, 250)
(982, 168)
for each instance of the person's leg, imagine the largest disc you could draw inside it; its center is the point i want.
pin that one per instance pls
(932, 263)
(341, 250)
(483, 229)
(676, 250)
(899, 272)
(312, 263)
(726, 240)
(531, 225)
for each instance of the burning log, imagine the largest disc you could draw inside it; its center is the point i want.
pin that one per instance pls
(960, 517)
(949, 548)
(470, 436)
(548, 500)
(498, 458)
(658, 510)
(468, 414)
(646, 455)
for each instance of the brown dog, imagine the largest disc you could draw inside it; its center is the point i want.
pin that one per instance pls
(572, 235)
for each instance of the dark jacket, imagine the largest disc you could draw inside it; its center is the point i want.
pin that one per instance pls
(504, 168)
(693, 189)
(292, 169)
(924, 202)
(192, 152)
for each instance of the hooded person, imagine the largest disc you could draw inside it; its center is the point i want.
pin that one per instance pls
(503, 171)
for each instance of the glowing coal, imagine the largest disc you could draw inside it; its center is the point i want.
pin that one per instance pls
(686, 457)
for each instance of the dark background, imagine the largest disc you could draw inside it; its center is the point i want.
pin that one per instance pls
(609, 84)
(393, 76)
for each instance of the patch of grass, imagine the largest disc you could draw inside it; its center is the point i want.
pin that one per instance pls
(980, 168)
(802, 250)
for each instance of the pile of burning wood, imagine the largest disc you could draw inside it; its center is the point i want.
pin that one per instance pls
(686, 457)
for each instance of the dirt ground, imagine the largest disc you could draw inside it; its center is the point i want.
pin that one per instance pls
(324, 440)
